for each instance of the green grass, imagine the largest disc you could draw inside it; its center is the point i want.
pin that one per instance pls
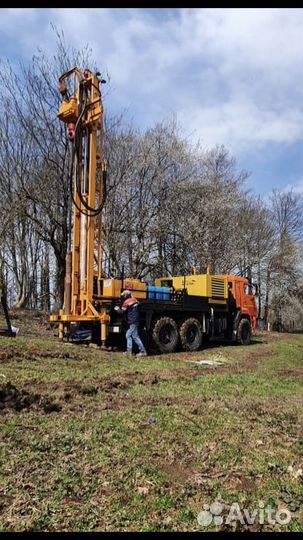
(143, 445)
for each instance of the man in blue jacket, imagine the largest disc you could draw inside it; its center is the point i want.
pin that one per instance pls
(130, 306)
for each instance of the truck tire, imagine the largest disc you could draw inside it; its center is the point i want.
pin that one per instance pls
(165, 335)
(191, 335)
(244, 332)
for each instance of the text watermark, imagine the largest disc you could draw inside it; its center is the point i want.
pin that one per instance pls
(220, 514)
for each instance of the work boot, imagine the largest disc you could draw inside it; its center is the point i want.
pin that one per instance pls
(128, 354)
(141, 353)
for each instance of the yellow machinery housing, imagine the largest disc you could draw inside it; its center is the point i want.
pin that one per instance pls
(112, 288)
(211, 286)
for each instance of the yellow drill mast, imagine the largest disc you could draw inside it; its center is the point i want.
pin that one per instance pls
(82, 111)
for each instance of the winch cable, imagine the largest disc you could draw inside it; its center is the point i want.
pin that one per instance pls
(90, 212)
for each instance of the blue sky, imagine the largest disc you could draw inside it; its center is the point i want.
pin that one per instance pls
(232, 76)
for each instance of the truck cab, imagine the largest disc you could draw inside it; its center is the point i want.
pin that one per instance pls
(244, 293)
(242, 319)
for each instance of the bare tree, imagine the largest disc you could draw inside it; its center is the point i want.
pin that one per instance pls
(144, 170)
(284, 268)
(42, 179)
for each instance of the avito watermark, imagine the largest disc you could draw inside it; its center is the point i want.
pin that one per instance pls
(219, 514)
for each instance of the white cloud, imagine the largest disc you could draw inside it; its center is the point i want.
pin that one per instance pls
(296, 187)
(233, 75)
(242, 124)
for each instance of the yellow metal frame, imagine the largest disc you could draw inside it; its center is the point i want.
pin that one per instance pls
(87, 228)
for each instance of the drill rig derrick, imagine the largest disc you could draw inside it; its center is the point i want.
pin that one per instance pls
(182, 309)
(82, 111)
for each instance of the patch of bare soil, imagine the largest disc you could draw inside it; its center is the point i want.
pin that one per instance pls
(7, 355)
(122, 381)
(17, 400)
(290, 372)
(117, 389)
(126, 380)
(273, 337)
(177, 471)
(237, 482)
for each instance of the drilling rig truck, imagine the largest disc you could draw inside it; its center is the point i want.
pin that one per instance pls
(176, 311)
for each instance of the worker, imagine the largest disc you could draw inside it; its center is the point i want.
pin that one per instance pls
(130, 306)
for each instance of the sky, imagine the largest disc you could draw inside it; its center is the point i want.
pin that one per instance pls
(231, 76)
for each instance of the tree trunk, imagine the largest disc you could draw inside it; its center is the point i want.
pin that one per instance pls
(45, 282)
(22, 296)
(59, 283)
(259, 293)
(266, 302)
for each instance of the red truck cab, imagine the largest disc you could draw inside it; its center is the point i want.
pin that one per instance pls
(244, 294)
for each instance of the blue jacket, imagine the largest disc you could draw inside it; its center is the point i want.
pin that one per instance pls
(131, 308)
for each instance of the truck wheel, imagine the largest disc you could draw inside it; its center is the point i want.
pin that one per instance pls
(244, 332)
(191, 335)
(165, 335)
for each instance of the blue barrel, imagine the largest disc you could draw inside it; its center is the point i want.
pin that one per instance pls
(151, 292)
(159, 294)
(166, 293)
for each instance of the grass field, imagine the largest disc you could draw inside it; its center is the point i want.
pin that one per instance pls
(93, 441)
